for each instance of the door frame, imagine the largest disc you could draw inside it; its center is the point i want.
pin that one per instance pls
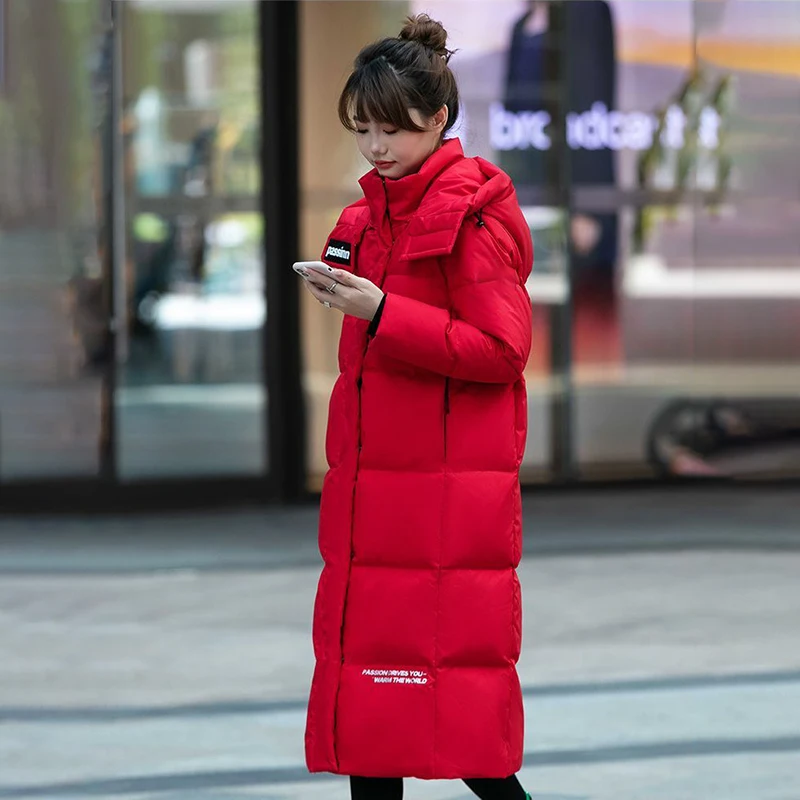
(280, 170)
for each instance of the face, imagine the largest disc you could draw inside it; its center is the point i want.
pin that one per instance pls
(395, 152)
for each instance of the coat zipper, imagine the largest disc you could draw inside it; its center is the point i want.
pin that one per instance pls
(359, 380)
(446, 413)
(388, 216)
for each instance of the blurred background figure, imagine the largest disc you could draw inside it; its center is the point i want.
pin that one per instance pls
(542, 75)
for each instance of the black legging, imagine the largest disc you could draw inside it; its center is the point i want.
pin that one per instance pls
(392, 788)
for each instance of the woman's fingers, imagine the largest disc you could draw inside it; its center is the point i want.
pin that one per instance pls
(316, 290)
(351, 295)
(323, 295)
(332, 279)
(346, 278)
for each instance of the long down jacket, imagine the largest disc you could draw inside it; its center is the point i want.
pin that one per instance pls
(417, 619)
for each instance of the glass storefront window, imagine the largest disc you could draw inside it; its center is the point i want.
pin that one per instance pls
(191, 398)
(52, 315)
(698, 373)
(653, 146)
(746, 246)
(649, 130)
(673, 126)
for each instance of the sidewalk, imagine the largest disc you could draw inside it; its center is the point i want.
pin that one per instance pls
(169, 657)
(555, 523)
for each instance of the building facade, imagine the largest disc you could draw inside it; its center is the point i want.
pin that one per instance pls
(163, 162)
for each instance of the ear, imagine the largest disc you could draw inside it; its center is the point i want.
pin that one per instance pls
(439, 119)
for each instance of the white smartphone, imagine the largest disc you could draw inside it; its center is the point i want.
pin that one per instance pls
(303, 268)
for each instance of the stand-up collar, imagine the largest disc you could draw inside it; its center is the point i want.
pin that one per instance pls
(404, 195)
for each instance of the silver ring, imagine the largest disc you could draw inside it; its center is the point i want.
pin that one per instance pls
(332, 287)
(326, 304)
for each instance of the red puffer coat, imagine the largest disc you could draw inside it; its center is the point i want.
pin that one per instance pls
(417, 616)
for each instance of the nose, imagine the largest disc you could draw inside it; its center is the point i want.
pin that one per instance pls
(377, 146)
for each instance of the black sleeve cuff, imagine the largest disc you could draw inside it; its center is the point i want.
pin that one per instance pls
(373, 326)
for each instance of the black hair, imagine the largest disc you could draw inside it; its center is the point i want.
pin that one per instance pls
(400, 73)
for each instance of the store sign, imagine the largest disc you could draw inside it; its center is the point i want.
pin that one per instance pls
(601, 129)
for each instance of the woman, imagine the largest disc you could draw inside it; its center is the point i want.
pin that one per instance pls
(417, 617)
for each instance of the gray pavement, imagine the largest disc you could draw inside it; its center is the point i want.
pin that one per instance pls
(605, 520)
(169, 656)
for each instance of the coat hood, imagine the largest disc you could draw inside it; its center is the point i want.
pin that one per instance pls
(435, 201)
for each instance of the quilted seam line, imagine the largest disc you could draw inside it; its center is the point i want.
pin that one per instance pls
(349, 573)
(472, 283)
(516, 529)
(516, 603)
(348, 578)
(507, 738)
(442, 518)
(334, 682)
(448, 347)
(314, 694)
(442, 521)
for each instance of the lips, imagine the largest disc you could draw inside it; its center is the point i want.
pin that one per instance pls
(383, 164)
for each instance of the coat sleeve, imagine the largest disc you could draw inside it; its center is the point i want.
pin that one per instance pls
(485, 335)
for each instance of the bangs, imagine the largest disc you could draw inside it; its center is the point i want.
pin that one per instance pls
(375, 94)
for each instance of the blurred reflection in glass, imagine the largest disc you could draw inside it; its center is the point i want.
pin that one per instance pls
(191, 400)
(681, 121)
(543, 80)
(53, 314)
(727, 268)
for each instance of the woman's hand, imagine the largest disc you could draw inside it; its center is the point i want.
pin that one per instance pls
(352, 295)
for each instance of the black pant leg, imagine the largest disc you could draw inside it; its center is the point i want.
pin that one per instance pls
(497, 788)
(376, 788)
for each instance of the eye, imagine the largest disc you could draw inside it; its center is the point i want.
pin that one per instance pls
(390, 133)
(361, 131)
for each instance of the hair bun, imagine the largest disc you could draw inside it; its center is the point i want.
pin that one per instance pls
(427, 32)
